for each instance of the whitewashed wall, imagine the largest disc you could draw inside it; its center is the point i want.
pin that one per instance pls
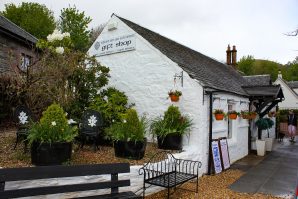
(291, 99)
(146, 76)
(238, 143)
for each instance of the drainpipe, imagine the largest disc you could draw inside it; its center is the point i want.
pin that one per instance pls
(249, 129)
(210, 132)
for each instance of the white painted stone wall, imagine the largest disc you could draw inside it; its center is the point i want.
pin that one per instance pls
(238, 143)
(291, 98)
(146, 76)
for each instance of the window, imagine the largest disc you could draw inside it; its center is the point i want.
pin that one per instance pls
(230, 122)
(25, 62)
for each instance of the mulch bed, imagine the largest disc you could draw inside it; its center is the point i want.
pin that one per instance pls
(210, 187)
(10, 158)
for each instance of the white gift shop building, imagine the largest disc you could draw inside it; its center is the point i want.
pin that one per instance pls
(146, 66)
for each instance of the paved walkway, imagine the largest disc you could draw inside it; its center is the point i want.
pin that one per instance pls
(275, 174)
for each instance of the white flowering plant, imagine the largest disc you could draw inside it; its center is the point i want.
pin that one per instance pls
(52, 127)
(57, 42)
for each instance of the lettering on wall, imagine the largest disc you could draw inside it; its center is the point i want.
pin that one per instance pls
(115, 45)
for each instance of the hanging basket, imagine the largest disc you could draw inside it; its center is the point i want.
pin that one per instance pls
(245, 116)
(253, 116)
(233, 116)
(174, 98)
(219, 116)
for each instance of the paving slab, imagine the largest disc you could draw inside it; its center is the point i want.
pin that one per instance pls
(275, 174)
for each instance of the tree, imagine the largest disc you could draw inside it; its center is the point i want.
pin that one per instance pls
(246, 64)
(95, 32)
(76, 23)
(35, 18)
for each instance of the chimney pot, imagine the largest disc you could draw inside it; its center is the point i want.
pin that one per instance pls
(234, 57)
(228, 55)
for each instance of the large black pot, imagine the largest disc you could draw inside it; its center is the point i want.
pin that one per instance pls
(170, 142)
(130, 149)
(50, 154)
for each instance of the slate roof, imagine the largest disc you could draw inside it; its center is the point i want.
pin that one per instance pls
(264, 91)
(9, 27)
(258, 80)
(209, 72)
(293, 84)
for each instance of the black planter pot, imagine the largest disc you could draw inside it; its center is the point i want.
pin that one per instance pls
(130, 149)
(170, 142)
(50, 154)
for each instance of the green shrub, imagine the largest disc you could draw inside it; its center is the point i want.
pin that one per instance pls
(130, 129)
(53, 127)
(112, 104)
(172, 123)
(264, 123)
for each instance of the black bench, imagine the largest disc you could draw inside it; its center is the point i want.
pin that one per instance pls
(45, 172)
(164, 170)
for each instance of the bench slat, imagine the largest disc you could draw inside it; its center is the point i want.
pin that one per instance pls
(44, 172)
(62, 189)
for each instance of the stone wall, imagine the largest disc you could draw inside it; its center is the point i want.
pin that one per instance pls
(10, 53)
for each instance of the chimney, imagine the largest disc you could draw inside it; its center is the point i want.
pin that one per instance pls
(279, 74)
(229, 55)
(234, 57)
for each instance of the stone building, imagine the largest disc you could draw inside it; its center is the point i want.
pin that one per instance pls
(16, 47)
(146, 65)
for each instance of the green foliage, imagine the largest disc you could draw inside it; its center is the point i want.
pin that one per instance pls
(76, 23)
(86, 80)
(130, 129)
(35, 18)
(282, 115)
(218, 111)
(246, 64)
(53, 127)
(264, 123)
(112, 103)
(250, 66)
(172, 123)
(175, 92)
(233, 112)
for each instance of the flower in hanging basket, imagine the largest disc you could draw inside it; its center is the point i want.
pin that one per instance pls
(245, 115)
(219, 114)
(174, 95)
(252, 115)
(233, 114)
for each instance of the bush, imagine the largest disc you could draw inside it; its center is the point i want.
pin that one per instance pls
(112, 104)
(53, 127)
(130, 129)
(172, 123)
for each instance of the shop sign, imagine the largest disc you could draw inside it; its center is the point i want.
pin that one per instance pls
(115, 45)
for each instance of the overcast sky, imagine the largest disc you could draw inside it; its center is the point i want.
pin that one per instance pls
(256, 27)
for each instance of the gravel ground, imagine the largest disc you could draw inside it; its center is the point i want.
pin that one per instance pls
(210, 187)
(213, 187)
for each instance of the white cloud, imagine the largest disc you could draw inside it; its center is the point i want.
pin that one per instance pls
(208, 26)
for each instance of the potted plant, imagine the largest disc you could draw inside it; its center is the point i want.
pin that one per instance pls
(170, 128)
(252, 115)
(129, 136)
(233, 115)
(51, 138)
(174, 95)
(264, 124)
(219, 114)
(244, 114)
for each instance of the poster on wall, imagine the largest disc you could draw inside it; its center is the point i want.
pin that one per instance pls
(216, 157)
(223, 143)
(115, 45)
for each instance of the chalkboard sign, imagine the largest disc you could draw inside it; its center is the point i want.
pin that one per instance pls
(223, 143)
(216, 156)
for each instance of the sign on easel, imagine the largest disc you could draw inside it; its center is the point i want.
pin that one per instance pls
(223, 143)
(216, 157)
